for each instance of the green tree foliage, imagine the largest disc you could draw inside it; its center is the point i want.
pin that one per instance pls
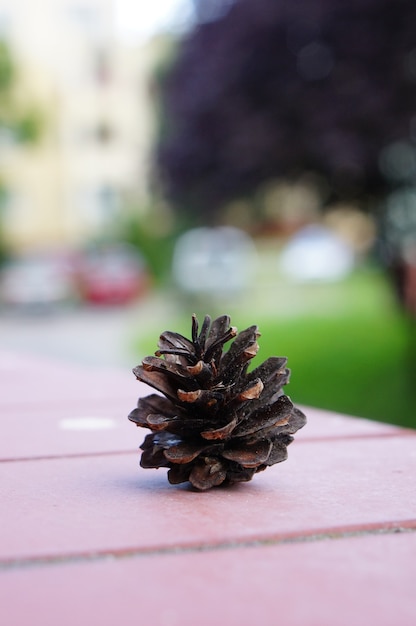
(6, 68)
(17, 124)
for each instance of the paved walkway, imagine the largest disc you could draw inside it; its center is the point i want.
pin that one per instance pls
(327, 538)
(102, 336)
(106, 336)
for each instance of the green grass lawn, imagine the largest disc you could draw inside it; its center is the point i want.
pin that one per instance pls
(356, 366)
(348, 345)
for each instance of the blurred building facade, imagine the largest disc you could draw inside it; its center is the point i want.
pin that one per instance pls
(92, 89)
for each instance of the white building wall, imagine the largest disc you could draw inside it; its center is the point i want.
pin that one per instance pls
(93, 90)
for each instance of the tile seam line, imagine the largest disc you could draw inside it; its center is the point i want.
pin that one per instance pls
(315, 536)
(384, 435)
(76, 455)
(14, 406)
(72, 455)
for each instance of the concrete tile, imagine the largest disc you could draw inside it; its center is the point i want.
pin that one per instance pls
(107, 503)
(88, 426)
(329, 424)
(50, 408)
(40, 383)
(29, 380)
(342, 582)
(83, 427)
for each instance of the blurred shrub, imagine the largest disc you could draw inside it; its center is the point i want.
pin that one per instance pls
(155, 245)
(348, 346)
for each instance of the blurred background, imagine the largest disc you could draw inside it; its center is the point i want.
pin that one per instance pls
(249, 157)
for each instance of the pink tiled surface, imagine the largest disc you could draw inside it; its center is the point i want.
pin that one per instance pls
(107, 503)
(79, 428)
(83, 426)
(310, 541)
(360, 581)
(52, 409)
(28, 380)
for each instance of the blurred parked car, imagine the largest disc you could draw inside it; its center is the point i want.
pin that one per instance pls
(317, 253)
(37, 281)
(111, 274)
(214, 261)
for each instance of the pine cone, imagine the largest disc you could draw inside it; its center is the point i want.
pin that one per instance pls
(216, 423)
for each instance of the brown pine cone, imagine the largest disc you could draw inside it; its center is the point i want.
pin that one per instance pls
(216, 423)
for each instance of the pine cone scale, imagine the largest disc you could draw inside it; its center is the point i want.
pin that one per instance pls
(157, 380)
(220, 433)
(183, 453)
(250, 456)
(207, 475)
(264, 418)
(154, 403)
(157, 422)
(174, 341)
(269, 368)
(278, 453)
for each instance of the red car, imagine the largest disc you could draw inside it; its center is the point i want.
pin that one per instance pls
(111, 274)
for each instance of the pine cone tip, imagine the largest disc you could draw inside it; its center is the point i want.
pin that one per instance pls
(215, 423)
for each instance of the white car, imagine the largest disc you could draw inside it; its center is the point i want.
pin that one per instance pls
(36, 281)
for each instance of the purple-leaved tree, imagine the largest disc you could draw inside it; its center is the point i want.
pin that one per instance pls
(275, 87)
